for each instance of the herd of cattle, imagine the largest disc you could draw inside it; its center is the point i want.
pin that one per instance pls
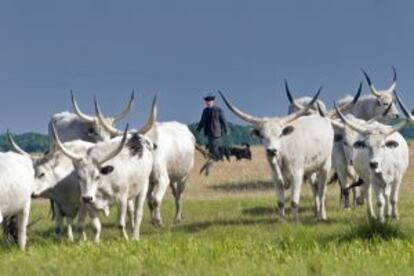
(91, 165)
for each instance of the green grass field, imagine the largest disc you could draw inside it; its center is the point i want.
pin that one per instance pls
(228, 236)
(228, 231)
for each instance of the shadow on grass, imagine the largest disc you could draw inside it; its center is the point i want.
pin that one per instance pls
(373, 231)
(204, 225)
(267, 211)
(244, 186)
(369, 232)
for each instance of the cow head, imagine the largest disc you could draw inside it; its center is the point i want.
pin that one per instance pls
(93, 126)
(89, 170)
(374, 139)
(46, 174)
(384, 98)
(271, 130)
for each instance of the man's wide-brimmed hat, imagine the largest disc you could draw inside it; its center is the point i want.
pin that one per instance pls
(209, 97)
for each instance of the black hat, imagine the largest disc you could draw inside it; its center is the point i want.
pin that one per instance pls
(209, 97)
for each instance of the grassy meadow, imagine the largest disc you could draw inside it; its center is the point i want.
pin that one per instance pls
(229, 228)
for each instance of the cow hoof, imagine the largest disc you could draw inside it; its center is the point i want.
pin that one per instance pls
(157, 223)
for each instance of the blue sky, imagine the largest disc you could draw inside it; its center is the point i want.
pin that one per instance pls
(183, 49)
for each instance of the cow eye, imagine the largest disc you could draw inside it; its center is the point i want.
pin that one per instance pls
(91, 130)
(256, 132)
(391, 144)
(359, 145)
(41, 175)
(287, 130)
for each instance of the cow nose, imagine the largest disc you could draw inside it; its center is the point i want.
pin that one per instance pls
(87, 199)
(373, 165)
(271, 152)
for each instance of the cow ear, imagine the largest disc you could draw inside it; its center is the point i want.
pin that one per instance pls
(391, 144)
(287, 130)
(338, 137)
(107, 170)
(359, 144)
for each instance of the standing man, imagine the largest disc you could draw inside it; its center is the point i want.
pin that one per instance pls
(214, 125)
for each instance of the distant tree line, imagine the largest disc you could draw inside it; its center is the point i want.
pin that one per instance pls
(35, 142)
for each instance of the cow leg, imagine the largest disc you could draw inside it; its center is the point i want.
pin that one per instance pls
(343, 181)
(122, 210)
(139, 212)
(394, 198)
(367, 190)
(149, 197)
(22, 221)
(96, 224)
(314, 187)
(179, 189)
(297, 180)
(131, 212)
(387, 195)
(379, 192)
(58, 222)
(322, 179)
(1, 218)
(69, 222)
(158, 195)
(360, 195)
(81, 222)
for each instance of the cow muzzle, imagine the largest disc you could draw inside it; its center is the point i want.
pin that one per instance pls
(373, 165)
(87, 199)
(271, 152)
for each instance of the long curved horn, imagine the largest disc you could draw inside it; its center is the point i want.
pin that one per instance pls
(109, 128)
(403, 107)
(78, 112)
(14, 145)
(118, 149)
(371, 85)
(321, 112)
(394, 80)
(290, 97)
(347, 122)
(125, 112)
(290, 118)
(68, 153)
(244, 116)
(152, 118)
(400, 125)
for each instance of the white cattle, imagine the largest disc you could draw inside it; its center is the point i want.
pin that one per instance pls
(79, 126)
(296, 146)
(56, 180)
(380, 157)
(375, 104)
(16, 186)
(173, 160)
(338, 159)
(109, 172)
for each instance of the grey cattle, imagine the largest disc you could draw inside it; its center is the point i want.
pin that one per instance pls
(296, 147)
(80, 126)
(173, 160)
